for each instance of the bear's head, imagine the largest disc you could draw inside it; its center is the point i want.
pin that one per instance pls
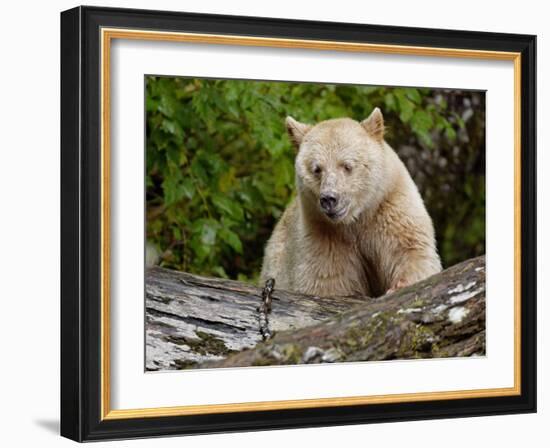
(339, 165)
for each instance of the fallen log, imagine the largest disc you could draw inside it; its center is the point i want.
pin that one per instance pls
(197, 322)
(192, 319)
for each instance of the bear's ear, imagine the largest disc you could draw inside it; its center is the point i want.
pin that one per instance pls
(296, 130)
(374, 124)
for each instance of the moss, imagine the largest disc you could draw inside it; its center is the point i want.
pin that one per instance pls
(212, 344)
(359, 336)
(420, 342)
(182, 364)
(260, 362)
(416, 341)
(292, 354)
(178, 340)
(418, 303)
(205, 344)
(279, 354)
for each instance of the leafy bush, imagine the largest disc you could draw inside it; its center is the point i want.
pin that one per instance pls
(220, 168)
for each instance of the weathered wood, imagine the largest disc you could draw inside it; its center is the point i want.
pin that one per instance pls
(203, 322)
(443, 316)
(192, 319)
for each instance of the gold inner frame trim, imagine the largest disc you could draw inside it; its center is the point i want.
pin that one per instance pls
(107, 35)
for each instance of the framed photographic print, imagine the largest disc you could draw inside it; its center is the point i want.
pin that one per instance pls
(273, 223)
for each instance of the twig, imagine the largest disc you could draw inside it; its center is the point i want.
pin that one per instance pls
(265, 308)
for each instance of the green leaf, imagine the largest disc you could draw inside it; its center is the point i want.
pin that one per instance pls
(172, 128)
(389, 101)
(226, 206)
(171, 191)
(209, 231)
(232, 239)
(421, 121)
(220, 271)
(406, 106)
(187, 188)
(176, 189)
(413, 95)
(168, 105)
(151, 104)
(450, 133)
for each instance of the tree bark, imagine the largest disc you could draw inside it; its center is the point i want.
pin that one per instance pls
(202, 322)
(192, 319)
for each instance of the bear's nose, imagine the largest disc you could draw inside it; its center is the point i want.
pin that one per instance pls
(328, 201)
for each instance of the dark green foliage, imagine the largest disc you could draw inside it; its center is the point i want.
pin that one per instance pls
(220, 167)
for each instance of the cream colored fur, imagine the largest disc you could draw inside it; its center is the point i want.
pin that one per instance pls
(382, 237)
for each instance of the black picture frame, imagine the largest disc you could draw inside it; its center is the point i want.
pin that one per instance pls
(81, 224)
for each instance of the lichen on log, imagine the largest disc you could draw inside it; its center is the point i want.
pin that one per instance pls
(196, 322)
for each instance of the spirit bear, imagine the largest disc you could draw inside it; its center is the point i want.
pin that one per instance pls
(358, 224)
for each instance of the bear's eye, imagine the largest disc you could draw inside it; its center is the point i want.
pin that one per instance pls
(347, 168)
(317, 169)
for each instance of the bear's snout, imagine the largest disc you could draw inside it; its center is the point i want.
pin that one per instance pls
(329, 201)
